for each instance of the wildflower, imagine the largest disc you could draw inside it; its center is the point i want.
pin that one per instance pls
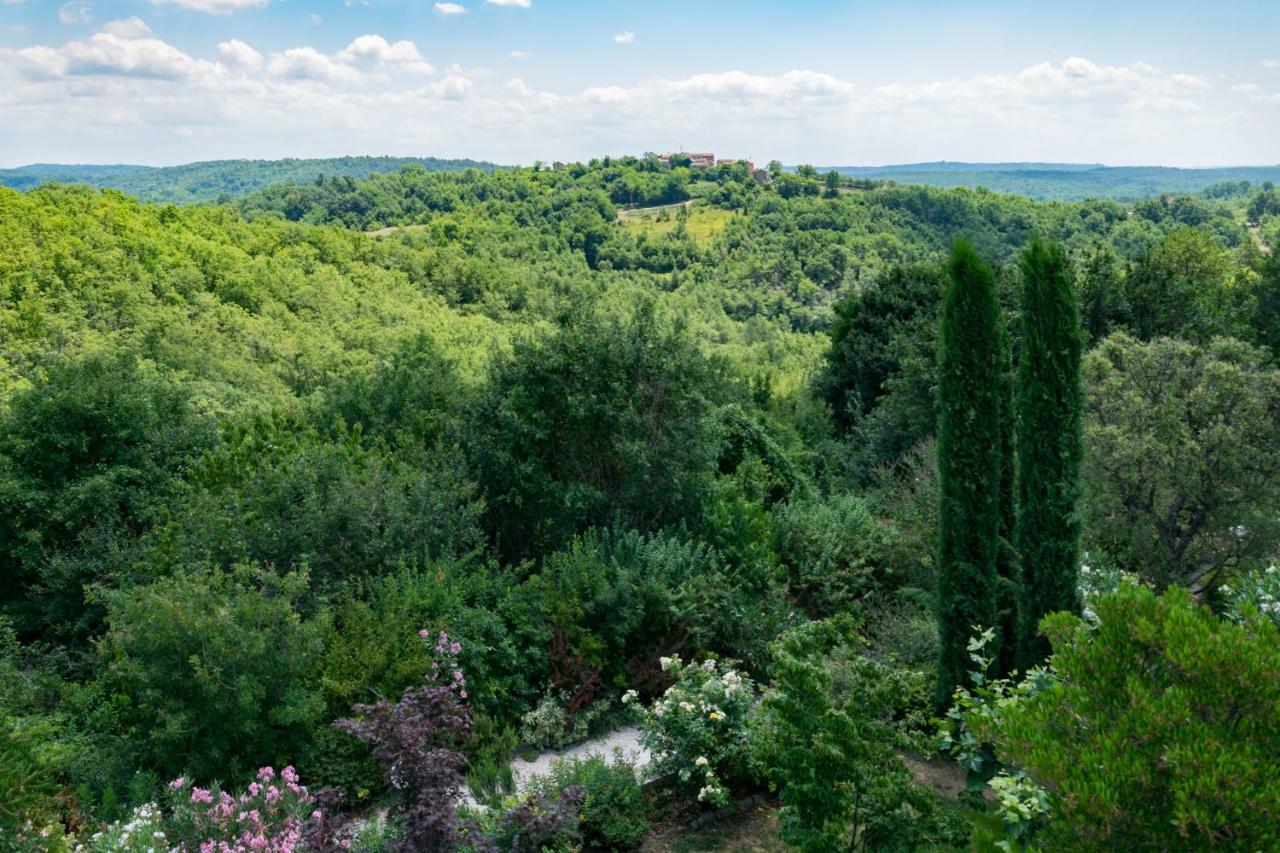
(424, 633)
(629, 697)
(455, 648)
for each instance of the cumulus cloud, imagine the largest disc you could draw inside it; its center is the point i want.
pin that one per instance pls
(401, 56)
(451, 9)
(240, 55)
(519, 54)
(75, 12)
(125, 93)
(213, 7)
(523, 4)
(122, 48)
(625, 38)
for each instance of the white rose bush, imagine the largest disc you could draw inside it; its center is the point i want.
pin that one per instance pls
(697, 729)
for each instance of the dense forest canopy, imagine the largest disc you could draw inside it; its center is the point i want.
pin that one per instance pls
(573, 424)
(215, 180)
(1072, 181)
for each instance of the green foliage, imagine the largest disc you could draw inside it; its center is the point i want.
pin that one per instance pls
(89, 452)
(277, 493)
(1183, 457)
(1049, 446)
(1158, 731)
(825, 736)
(604, 419)
(212, 672)
(218, 179)
(615, 812)
(969, 459)
(832, 552)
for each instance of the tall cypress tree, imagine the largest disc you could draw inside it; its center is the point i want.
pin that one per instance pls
(1007, 570)
(1049, 444)
(969, 461)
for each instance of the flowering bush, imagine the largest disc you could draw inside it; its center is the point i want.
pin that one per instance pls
(1099, 576)
(697, 730)
(418, 741)
(1259, 591)
(268, 816)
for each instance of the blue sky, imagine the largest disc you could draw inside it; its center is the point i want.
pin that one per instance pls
(870, 82)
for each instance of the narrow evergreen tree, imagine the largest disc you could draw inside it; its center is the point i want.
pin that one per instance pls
(1007, 570)
(969, 463)
(1049, 445)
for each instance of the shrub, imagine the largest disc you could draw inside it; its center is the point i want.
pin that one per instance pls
(697, 730)
(615, 813)
(269, 816)
(418, 741)
(550, 726)
(825, 736)
(832, 551)
(1160, 730)
(212, 672)
(1255, 592)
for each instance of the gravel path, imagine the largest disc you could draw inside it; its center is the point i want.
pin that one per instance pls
(626, 739)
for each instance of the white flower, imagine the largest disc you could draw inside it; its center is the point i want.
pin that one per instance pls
(701, 761)
(665, 663)
(629, 697)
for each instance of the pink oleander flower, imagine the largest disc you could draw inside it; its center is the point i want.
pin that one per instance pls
(455, 648)
(289, 774)
(254, 789)
(177, 783)
(273, 794)
(266, 774)
(424, 633)
(201, 795)
(462, 694)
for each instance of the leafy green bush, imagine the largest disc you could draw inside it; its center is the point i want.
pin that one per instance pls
(697, 730)
(832, 551)
(212, 672)
(825, 735)
(615, 813)
(1159, 732)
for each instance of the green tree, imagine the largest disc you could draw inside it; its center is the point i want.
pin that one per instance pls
(604, 418)
(1182, 465)
(824, 734)
(1049, 444)
(1158, 730)
(212, 672)
(970, 394)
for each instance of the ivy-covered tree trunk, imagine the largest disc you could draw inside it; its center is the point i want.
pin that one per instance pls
(969, 463)
(1049, 445)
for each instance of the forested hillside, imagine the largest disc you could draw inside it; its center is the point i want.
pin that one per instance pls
(1069, 181)
(215, 180)
(512, 433)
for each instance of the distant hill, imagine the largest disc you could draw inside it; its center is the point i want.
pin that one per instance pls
(1063, 181)
(209, 181)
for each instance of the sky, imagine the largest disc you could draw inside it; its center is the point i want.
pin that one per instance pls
(860, 82)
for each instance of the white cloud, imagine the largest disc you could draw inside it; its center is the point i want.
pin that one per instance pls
(1271, 64)
(519, 54)
(451, 9)
(75, 12)
(523, 4)
(240, 55)
(307, 63)
(315, 19)
(125, 94)
(625, 38)
(122, 48)
(401, 55)
(214, 7)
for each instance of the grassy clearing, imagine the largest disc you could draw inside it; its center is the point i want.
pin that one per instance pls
(704, 223)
